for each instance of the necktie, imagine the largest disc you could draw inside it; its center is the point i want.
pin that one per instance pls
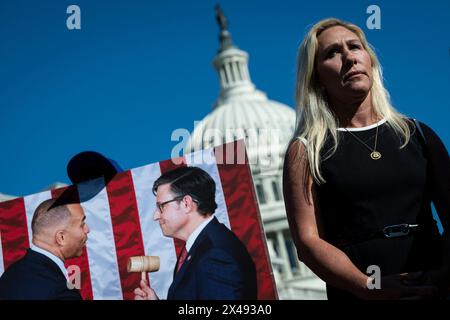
(183, 256)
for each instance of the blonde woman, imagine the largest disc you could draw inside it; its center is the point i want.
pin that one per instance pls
(359, 177)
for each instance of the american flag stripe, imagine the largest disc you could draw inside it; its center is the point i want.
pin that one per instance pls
(244, 215)
(126, 227)
(14, 230)
(101, 247)
(2, 268)
(155, 244)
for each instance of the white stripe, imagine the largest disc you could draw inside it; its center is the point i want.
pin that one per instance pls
(2, 266)
(205, 159)
(31, 203)
(155, 243)
(101, 247)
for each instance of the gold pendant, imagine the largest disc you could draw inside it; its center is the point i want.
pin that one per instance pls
(375, 155)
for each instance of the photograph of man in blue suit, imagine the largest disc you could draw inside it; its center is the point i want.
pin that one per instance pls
(59, 233)
(214, 263)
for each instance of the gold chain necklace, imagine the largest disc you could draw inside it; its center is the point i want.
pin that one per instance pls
(374, 154)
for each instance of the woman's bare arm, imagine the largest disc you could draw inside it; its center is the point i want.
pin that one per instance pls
(328, 262)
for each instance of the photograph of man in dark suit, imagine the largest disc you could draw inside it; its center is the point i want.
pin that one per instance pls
(59, 233)
(214, 263)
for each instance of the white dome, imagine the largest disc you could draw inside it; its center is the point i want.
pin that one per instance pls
(248, 114)
(267, 126)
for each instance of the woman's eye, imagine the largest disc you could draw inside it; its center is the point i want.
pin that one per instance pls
(331, 53)
(355, 46)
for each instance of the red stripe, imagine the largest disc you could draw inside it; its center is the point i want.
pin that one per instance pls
(82, 261)
(165, 166)
(14, 230)
(172, 164)
(126, 229)
(243, 212)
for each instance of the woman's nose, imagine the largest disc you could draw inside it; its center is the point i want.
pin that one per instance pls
(349, 57)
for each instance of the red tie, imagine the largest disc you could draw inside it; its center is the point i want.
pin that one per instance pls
(183, 256)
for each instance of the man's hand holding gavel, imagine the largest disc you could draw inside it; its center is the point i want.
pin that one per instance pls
(145, 292)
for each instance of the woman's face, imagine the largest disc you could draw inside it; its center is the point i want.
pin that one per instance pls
(343, 66)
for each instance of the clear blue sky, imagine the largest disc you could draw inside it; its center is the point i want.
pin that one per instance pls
(137, 70)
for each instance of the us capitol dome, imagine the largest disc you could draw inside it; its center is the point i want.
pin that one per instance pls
(244, 112)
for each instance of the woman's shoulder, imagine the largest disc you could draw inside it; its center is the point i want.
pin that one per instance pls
(428, 135)
(297, 146)
(424, 129)
(296, 155)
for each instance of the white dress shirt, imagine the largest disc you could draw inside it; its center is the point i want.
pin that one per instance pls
(191, 239)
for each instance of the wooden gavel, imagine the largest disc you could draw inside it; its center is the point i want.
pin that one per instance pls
(143, 264)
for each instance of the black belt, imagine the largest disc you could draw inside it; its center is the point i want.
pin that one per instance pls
(393, 231)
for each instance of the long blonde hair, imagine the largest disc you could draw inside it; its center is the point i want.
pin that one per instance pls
(314, 117)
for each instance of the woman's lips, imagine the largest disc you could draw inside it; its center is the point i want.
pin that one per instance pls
(352, 74)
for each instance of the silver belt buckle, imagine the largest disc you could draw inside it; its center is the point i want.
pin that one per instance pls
(398, 230)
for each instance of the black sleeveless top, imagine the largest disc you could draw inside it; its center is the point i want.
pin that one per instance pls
(361, 196)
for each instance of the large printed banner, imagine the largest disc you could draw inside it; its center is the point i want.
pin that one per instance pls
(120, 217)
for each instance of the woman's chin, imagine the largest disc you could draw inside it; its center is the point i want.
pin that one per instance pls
(357, 90)
(358, 86)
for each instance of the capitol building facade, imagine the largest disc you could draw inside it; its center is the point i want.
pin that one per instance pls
(244, 112)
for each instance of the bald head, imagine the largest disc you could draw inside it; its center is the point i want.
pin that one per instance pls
(48, 217)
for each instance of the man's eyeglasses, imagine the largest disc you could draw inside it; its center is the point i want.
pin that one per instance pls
(161, 205)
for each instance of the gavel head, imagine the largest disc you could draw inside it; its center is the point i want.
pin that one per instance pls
(143, 264)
